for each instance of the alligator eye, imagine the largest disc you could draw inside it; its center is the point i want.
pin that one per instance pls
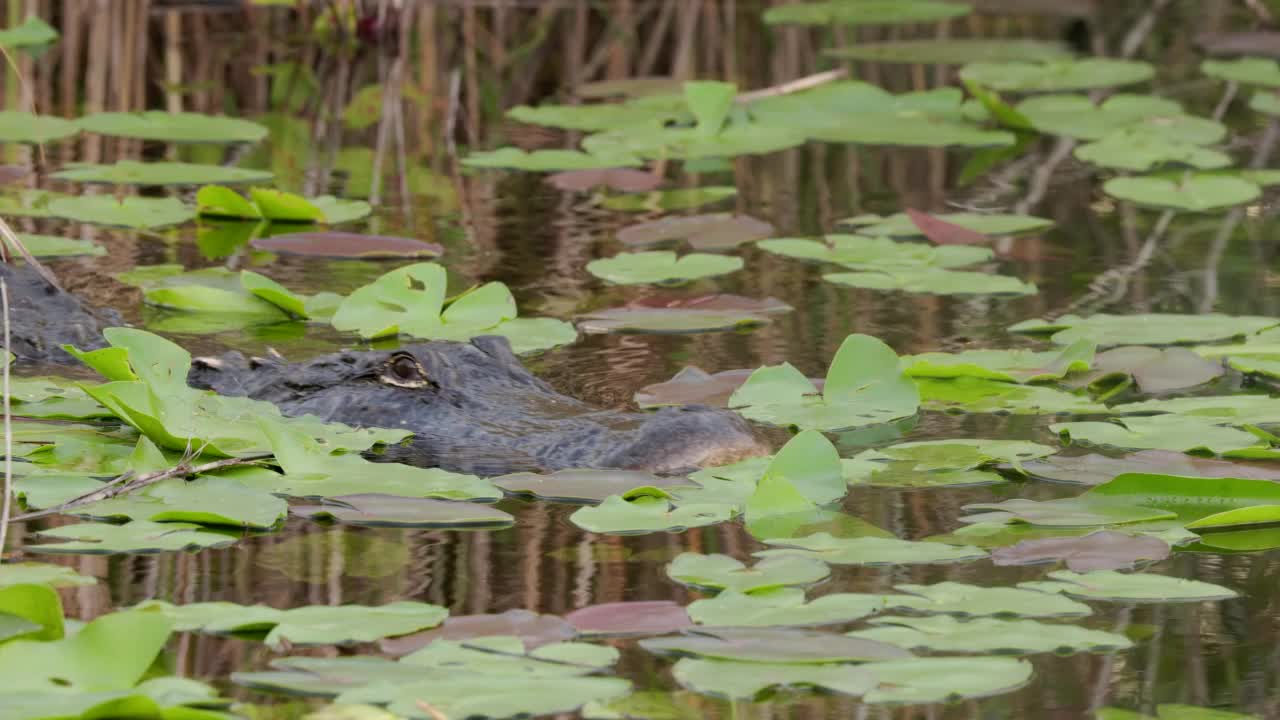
(405, 371)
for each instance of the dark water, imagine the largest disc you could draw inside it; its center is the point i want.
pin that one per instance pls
(520, 231)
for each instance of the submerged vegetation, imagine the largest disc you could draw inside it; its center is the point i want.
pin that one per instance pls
(1021, 459)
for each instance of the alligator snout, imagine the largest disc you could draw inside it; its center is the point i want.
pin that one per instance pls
(678, 439)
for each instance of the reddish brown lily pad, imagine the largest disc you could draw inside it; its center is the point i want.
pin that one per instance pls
(676, 315)
(586, 486)
(621, 179)
(1103, 550)
(1096, 469)
(941, 232)
(713, 231)
(10, 174)
(348, 245)
(1155, 370)
(694, 386)
(657, 617)
(534, 629)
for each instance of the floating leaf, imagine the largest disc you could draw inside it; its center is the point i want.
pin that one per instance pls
(661, 267)
(1018, 366)
(721, 572)
(645, 513)
(653, 617)
(866, 253)
(549, 160)
(620, 179)
(803, 474)
(204, 500)
(774, 645)
(864, 386)
(1083, 74)
(411, 301)
(1138, 151)
(1150, 116)
(1201, 503)
(1162, 432)
(684, 315)
(946, 634)
(585, 486)
(977, 395)
(679, 199)
(934, 282)
(1133, 587)
(378, 510)
(869, 551)
(29, 573)
(1238, 410)
(1264, 72)
(746, 680)
(1102, 550)
(138, 536)
(954, 51)
(952, 598)
(1084, 511)
(866, 12)
(1194, 193)
(1147, 329)
(1097, 469)
(25, 127)
(173, 127)
(716, 231)
(935, 680)
(533, 629)
(129, 172)
(901, 224)
(139, 213)
(32, 33)
(1154, 370)
(43, 246)
(782, 607)
(110, 653)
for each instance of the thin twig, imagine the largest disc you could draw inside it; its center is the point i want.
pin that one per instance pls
(431, 710)
(128, 483)
(6, 501)
(793, 86)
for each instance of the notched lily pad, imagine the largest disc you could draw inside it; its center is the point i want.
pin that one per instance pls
(649, 617)
(1185, 433)
(1102, 550)
(1192, 193)
(1018, 366)
(348, 245)
(947, 634)
(779, 607)
(129, 172)
(1147, 329)
(934, 281)
(182, 127)
(1131, 587)
(716, 231)
(953, 598)
(661, 267)
(379, 510)
(1096, 469)
(721, 572)
(676, 315)
(138, 213)
(533, 629)
(869, 551)
(139, 536)
(858, 252)
(646, 512)
(771, 645)
(1083, 74)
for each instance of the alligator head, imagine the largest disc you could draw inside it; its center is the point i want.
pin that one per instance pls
(473, 407)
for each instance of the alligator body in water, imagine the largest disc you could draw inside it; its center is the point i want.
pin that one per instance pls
(472, 406)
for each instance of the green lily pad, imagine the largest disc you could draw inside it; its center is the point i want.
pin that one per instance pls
(1094, 469)
(549, 160)
(904, 474)
(773, 645)
(662, 315)
(691, 145)
(956, 51)
(1101, 550)
(1164, 432)
(721, 572)
(583, 486)
(1263, 72)
(50, 246)
(110, 653)
(1139, 151)
(33, 612)
(313, 625)
(803, 474)
(859, 252)
(1195, 193)
(869, 551)
(138, 537)
(378, 510)
(1132, 587)
(901, 224)
(1083, 74)
(864, 386)
(642, 512)
(934, 282)
(1146, 329)
(32, 33)
(29, 573)
(590, 118)
(746, 680)
(782, 607)
(866, 12)
(173, 127)
(678, 199)
(1017, 366)
(139, 213)
(1076, 116)
(1203, 504)
(946, 634)
(1084, 511)
(936, 680)
(953, 598)
(1237, 410)
(978, 395)
(204, 501)
(411, 301)
(661, 267)
(129, 172)
(32, 129)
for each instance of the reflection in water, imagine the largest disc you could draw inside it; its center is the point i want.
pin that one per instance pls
(517, 229)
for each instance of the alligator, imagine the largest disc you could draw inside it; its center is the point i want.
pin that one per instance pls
(472, 406)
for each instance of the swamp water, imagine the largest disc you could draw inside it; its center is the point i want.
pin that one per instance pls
(839, 150)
